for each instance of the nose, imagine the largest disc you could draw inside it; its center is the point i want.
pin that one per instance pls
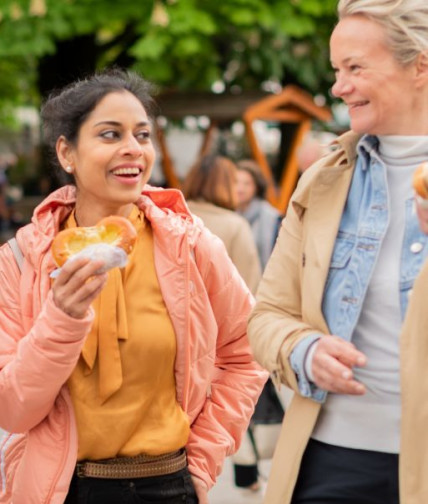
(131, 146)
(341, 87)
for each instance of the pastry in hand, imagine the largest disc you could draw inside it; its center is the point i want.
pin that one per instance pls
(420, 180)
(110, 240)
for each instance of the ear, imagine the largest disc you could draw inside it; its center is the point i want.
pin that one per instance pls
(64, 152)
(422, 69)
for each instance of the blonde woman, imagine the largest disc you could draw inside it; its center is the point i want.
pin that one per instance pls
(341, 309)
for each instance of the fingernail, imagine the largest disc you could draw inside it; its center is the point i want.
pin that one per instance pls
(361, 361)
(346, 375)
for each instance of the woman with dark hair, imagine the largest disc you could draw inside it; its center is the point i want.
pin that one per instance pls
(210, 190)
(131, 385)
(263, 218)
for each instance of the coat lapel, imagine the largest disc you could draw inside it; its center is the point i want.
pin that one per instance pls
(322, 216)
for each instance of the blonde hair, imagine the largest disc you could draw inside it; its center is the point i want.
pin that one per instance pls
(405, 23)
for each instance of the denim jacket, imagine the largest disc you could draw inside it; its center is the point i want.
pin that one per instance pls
(362, 228)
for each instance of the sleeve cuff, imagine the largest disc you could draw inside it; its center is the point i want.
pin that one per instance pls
(309, 356)
(300, 361)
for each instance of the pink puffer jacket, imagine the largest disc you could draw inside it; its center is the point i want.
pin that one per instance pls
(217, 379)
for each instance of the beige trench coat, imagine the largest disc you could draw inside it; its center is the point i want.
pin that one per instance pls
(289, 308)
(235, 232)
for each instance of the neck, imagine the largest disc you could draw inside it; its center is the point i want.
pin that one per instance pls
(243, 206)
(414, 123)
(86, 216)
(399, 150)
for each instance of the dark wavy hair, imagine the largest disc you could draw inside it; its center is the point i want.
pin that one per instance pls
(66, 109)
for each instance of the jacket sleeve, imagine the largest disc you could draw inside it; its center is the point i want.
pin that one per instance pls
(34, 364)
(238, 380)
(276, 325)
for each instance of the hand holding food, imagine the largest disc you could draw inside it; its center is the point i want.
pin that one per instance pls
(420, 185)
(420, 181)
(110, 241)
(76, 286)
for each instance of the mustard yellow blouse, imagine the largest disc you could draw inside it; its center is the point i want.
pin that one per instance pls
(123, 387)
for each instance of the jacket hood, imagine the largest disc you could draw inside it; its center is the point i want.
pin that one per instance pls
(35, 238)
(167, 199)
(165, 207)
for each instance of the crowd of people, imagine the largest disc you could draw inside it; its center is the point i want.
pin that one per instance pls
(134, 385)
(10, 219)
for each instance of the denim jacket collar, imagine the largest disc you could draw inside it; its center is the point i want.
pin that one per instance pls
(368, 148)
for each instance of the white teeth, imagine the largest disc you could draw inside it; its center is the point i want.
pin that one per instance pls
(126, 171)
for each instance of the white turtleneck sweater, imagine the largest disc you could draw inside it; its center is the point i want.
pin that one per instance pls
(372, 421)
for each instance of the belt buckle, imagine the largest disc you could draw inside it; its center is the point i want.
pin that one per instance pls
(80, 470)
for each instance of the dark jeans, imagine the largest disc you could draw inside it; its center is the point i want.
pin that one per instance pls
(176, 488)
(335, 475)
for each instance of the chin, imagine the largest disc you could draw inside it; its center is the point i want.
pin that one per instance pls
(365, 126)
(363, 129)
(131, 197)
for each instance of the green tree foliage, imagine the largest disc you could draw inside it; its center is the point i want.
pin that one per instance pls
(179, 44)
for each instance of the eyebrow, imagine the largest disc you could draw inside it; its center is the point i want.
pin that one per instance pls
(346, 60)
(116, 123)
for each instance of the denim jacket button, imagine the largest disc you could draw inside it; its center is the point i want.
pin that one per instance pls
(416, 247)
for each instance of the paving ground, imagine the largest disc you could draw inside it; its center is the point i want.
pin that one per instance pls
(225, 492)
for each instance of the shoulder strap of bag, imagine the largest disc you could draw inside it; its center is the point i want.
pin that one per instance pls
(16, 252)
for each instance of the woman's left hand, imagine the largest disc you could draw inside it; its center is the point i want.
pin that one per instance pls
(201, 490)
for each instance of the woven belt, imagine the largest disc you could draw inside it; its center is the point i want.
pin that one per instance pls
(141, 466)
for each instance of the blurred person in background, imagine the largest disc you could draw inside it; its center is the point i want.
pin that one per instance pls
(4, 212)
(341, 312)
(210, 191)
(263, 218)
(315, 145)
(8, 218)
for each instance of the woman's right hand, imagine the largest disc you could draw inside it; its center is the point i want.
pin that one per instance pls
(201, 490)
(77, 285)
(332, 365)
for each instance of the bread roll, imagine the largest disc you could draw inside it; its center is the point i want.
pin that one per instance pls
(114, 230)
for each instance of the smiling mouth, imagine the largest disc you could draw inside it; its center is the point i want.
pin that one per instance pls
(355, 105)
(127, 172)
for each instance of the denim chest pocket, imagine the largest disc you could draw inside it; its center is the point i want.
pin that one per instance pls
(341, 256)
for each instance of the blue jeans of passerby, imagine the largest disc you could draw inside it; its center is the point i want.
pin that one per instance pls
(176, 488)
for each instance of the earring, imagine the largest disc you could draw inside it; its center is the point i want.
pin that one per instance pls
(68, 169)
